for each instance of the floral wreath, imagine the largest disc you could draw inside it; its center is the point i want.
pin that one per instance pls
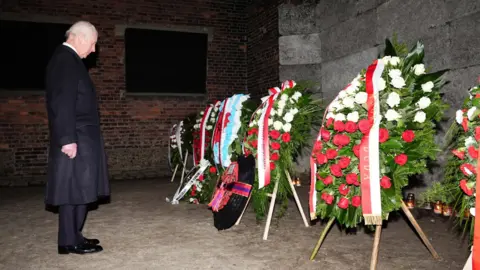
(175, 151)
(278, 131)
(377, 132)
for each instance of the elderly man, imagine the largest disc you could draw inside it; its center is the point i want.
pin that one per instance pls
(77, 166)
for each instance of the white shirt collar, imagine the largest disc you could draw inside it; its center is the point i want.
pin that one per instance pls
(71, 47)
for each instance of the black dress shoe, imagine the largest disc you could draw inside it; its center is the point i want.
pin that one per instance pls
(91, 241)
(79, 249)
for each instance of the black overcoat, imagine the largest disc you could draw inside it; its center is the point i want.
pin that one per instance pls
(73, 117)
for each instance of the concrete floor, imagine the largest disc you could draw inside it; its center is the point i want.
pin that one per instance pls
(139, 230)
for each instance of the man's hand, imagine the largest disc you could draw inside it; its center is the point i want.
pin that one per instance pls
(70, 150)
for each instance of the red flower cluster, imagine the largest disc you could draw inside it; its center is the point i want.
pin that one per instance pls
(276, 140)
(334, 136)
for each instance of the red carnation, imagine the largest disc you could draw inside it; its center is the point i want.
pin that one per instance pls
(318, 146)
(329, 121)
(275, 145)
(325, 134)
(385, 182)
(459, 154)
(339, 126)
(336, 170)
(274, 134)
(286, 137)
(341, 140)
(465, 188)
(254, 143)
(473, 152)
(213, 169)
(331, 153)
(383, 135)
(272, 166)
(321, 159)
(356, 201)
(327, 198)
(408, 136)
(356, 150)
(328, 180)
(344, 162)
(253, 131)
(274, 156)
(364, 126)
(343, 203)
(351, 178)
(467, 169)
(350, 127)
(477, 134)
(343, 189)
(401, 159)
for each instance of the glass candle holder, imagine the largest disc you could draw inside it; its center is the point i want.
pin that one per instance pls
(410, 201)
(447, 210)
(438, 208)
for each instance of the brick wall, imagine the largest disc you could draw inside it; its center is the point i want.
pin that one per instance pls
(262, 53)
(135, 128)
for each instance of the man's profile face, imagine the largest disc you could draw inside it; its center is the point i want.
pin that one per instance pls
(86, 45)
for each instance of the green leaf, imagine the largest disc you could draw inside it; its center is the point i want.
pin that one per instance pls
(319, 185)
(346, 151)
(391, 145)
(434, 77)
(324, 174)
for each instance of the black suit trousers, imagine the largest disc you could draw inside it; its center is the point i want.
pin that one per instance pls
(70, 224)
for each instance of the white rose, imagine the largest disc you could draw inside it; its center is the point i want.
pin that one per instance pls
(353, 116)
(395, 73)
(294, 111)
(212, 114)
(284, 97)
(348, 102)
(423, 103)
(288, 117)
(215, 109)
(361, 98)
(174, 146)
(330, 115)
(428, 86)
(459, 117)
(270, 121)
(279, 112)
(340, 117)
(296, 95)
(342, 94)
(469, 141)
(209, 127)
(398, 82)
(394, 61)
(259, 112)
(392, 115)
(201, 113)
(386, 59)
(281, 104)
(287, 127)
(419, 69)
(272, 112)
(381, 84)
(393, 100)
(470, 112)
(351, 89)
(277, 125)
(420, 117)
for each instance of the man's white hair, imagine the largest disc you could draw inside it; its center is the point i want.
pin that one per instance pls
(82, 29)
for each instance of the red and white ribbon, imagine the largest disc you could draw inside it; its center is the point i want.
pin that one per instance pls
(369, 150)
(263, 149)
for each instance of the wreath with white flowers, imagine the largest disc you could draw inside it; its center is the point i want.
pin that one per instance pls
(378, 131)
(278, 132)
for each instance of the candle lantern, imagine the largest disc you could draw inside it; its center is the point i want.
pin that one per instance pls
(438, 208)
(466, 214)
(447, 210)
(297, 182)
(410, 201)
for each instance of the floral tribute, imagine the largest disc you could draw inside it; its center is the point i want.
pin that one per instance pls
(278, 131)
(175, 151)
(230, 128)
(202, 135)
(463, 163)
(377, 132)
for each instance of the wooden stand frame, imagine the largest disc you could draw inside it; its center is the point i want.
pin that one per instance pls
(376, 242)
(273, 197)
(183, 170)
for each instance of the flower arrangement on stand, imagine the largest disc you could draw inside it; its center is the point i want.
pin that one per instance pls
(278, 132)
(202, 134)
(176, 143)
(463, 141)
(385, 118)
